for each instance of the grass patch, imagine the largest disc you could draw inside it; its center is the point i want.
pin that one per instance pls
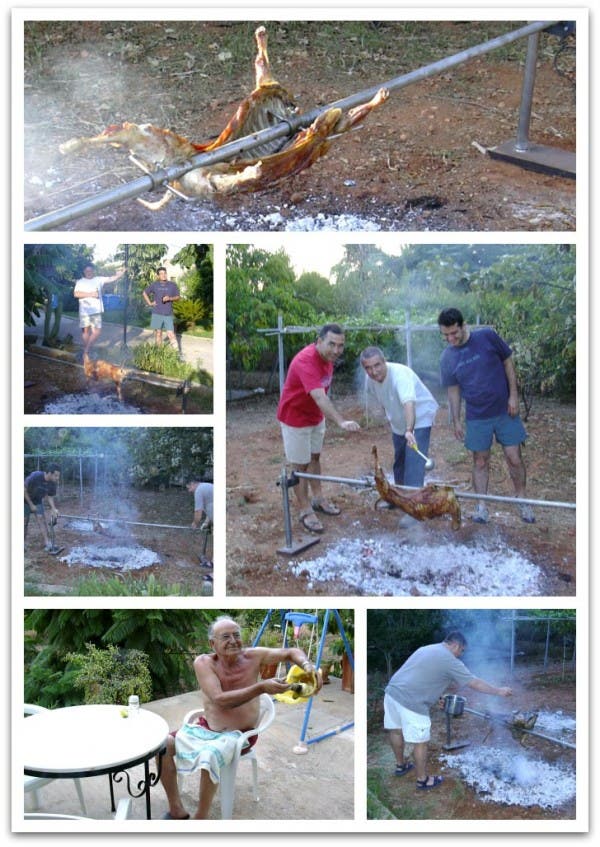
(128, 586)
(164, 360)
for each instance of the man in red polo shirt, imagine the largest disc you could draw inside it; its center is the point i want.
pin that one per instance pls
(303, 408)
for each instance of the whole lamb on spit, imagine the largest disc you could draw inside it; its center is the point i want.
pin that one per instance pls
(262, 167)
(432, 501)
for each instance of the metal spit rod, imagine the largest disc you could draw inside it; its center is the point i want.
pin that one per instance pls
(118, 520)
(489, 717)
(286, 128)
(468, 495)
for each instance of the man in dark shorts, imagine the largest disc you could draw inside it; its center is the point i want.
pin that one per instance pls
(478, 367)
(41, 486)
(412, 691)
(229, 679)
(160, 296)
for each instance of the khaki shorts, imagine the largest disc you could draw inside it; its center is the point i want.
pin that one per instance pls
(94, 321)
(415, 728)
(301, 442)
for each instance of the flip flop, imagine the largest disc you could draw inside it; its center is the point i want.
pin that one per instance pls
(402, 769)
(311, 522)
(422, 784)
(326, 508)
(169, 817)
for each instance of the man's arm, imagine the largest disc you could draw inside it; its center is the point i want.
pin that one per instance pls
(513, 391)
(211, 686)
(454, 406)
(50, 500)
(272, 655)
(81, 294)
(485, 688)
(29, 501)
(326, 406)
(410, 416)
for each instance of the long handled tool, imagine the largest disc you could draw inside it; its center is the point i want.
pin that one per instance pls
(54, 551)
(429, 463)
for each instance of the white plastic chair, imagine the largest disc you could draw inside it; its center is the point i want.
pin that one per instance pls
(228, 773)
(121, 814)
(33, 783)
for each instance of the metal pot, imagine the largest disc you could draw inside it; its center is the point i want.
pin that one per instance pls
(454, 705)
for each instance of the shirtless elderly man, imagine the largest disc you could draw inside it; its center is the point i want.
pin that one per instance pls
(229, 679)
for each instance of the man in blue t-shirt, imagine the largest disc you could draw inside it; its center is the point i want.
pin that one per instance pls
(163, 293)
(478, 367)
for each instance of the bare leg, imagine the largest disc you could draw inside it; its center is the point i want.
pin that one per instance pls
(481, 471)
(90, 336)
(302, 488)
(420, 757)
(168, 778)
(173, 340)
(516, 468)
(158, 337)
(314, 467)
(396, 739)
(208, 789)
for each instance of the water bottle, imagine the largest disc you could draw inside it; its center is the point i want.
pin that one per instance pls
(133, 706)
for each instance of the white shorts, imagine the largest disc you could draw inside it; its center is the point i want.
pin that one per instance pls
(301, 442)
(415, 728)
(95, 321)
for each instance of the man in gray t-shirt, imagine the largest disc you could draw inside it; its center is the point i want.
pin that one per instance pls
(414, 689)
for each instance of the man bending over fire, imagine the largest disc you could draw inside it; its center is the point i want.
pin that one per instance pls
(414, 689)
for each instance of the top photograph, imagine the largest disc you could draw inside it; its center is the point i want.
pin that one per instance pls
(283, 126)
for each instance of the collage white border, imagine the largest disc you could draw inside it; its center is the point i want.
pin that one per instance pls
(309, 11)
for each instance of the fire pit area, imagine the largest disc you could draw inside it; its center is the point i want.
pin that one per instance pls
(392, 565)
(123, 558)
(502, 775)
(89, 404)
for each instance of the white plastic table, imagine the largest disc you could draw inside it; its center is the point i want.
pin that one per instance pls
(80, 741)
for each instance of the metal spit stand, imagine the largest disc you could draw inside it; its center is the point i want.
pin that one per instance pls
(521, 151)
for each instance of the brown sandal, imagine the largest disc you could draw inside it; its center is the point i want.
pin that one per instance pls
(311, 522)
(325, 507)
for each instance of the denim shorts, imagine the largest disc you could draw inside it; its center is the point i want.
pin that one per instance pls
(507, 430)
(162, 322)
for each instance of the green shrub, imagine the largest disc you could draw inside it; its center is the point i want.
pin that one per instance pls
(111, 675)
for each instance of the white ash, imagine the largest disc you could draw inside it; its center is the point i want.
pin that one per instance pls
(385, 566)
(89, 404)
(122, 558)
(556, 724)
(500, 776)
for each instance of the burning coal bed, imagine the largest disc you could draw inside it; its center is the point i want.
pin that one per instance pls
(499, 775)
(386, 567)
(89, 404)
(124, 558)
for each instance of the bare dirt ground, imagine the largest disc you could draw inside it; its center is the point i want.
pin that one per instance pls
(255, 515)
(552, 691)
(177, 551)
(418, 163)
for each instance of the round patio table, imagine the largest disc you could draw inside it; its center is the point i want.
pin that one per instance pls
(80, 741)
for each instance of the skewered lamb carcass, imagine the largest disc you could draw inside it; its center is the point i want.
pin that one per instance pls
(262, 167)
(432, 501)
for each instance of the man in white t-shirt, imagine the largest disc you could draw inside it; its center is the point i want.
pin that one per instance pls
(410, 408)
(88, 291)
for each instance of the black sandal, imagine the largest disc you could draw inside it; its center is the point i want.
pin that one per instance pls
(424, 785)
